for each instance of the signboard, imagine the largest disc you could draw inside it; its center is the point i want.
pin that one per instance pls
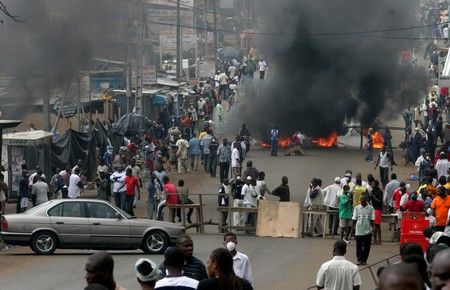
(149, 75)
(168, 39)
(69, 108)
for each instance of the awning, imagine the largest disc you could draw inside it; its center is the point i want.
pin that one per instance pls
(158, 100)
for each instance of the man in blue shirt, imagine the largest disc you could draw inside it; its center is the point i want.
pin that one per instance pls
(194, 152)
(274, 142)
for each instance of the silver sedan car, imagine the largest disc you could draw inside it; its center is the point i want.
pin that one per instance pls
(86, 224)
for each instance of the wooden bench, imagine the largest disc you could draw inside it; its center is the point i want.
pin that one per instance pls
(197, 207)
(247, 228)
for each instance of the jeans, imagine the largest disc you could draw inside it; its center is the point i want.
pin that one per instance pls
(363, 247)
(195, 160)
(224, 167)
(205, 161)
(150, 208)
(212, 164)
(274, 148)
(129, 204)
(384, 173)
(119, 198)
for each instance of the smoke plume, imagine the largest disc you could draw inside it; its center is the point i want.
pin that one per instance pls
(55, 42)
(324, 72)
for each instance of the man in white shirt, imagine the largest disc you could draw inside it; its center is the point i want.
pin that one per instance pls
(250, 199)
(331, 200)
(338, 273)
(75, 184)
(241, 262)
(384, 161)
(119, 189)
(235, 162)
(223, 82)
(182, 155)
(442, 165)
(262, 68)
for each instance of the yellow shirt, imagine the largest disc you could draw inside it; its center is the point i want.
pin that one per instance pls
(202, 134)
(357, 192)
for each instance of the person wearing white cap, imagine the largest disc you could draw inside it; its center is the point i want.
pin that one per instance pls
(331, 200)
(250, 198)
(147, 273)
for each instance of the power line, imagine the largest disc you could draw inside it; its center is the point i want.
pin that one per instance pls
(314, 34)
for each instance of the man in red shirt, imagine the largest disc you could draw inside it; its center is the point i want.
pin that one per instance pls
(171, 196)
(131, 184)
(397, 195)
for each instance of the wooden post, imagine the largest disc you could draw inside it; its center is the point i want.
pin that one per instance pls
(200, 212)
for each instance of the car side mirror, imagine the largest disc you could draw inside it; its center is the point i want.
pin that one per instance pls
(118, 216)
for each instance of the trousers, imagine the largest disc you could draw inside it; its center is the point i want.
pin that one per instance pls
(363, 247)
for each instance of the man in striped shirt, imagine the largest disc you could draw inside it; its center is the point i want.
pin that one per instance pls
(175, 278)
(193, 267)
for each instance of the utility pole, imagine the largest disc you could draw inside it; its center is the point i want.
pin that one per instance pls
(216, 40)
(79, 100)
(139, 40)
(178, 42)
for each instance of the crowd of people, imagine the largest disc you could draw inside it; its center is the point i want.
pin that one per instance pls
(416, 269)
(226, 268)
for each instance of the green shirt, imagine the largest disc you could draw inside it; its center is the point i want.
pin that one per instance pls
(363, 215)
(345, 207)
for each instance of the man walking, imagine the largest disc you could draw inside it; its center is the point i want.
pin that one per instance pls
(205, 142)
(338, 273)
(262, 68)
(40, 191)
(363, 217)
(241, 263)
(182, 154)
(384, 161)
(224, 155)
(194, 152)
(274, 142)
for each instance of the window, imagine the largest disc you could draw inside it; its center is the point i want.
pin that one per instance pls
(73, 209)
(101, 210)
(55, 211)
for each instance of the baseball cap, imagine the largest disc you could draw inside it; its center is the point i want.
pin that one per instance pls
(348, 174)
(249, 177)
(146, 270)
(336, 179)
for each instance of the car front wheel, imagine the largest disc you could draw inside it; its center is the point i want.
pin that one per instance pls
(155, 242)
(44, 243)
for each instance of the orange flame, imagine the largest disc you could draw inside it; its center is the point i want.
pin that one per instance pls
(378, 140)
(283, 143)
(329, 141)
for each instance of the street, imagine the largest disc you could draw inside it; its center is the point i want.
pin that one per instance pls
(277, 263)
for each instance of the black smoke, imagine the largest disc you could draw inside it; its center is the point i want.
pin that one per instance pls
(56, 41)
(326, 70)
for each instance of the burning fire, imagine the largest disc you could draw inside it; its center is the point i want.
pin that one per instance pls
(283, 143)
(329, 141)
(378, 140)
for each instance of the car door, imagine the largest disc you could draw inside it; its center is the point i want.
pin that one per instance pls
(70, 221)
(106, 229)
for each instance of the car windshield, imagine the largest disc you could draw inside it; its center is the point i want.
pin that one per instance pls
(38, 207)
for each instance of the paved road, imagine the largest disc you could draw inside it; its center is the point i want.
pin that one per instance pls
(277, 263)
